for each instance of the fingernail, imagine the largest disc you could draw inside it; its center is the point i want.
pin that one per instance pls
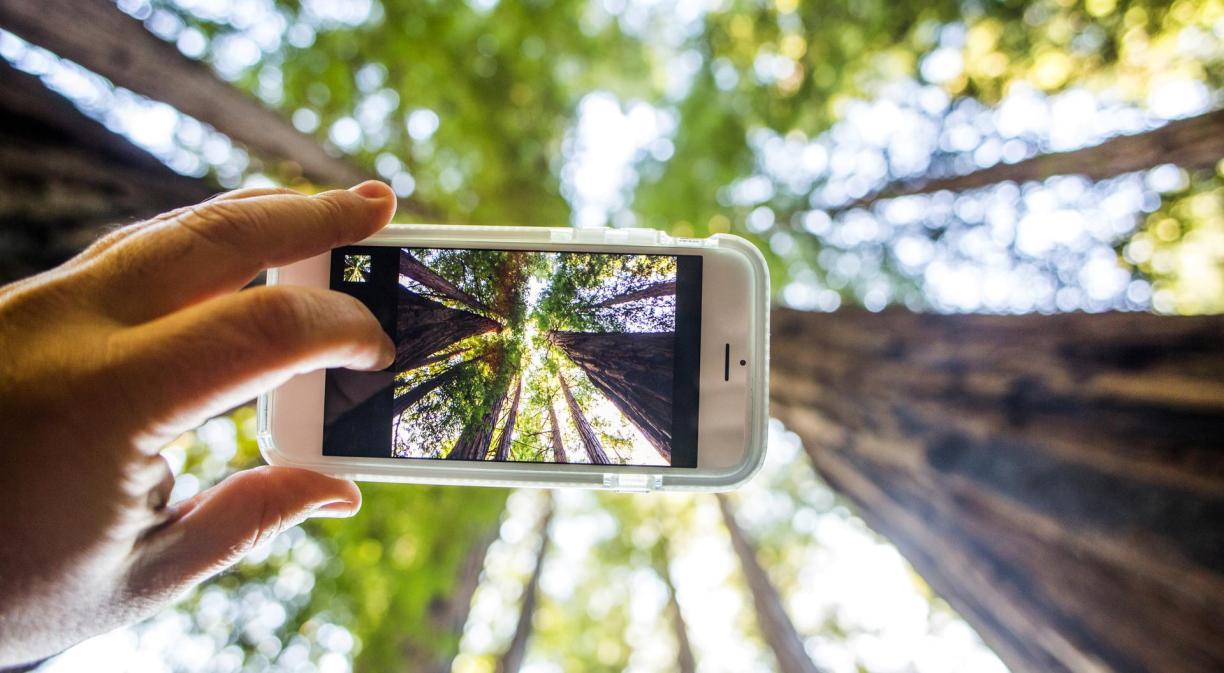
(371, 189)
(340, 509)
(388, 353)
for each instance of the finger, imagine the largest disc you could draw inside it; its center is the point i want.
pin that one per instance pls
(159, 495)
(218, 527)
(220, 245)
(120, 234)
(198, 362)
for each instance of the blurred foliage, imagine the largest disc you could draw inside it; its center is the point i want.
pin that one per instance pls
(1181, 246)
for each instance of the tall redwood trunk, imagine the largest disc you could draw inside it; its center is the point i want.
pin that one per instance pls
(419, 391)
(634, 371)
(659, 289)
(512, 659)
(686, 662)
(507, 434)
(425, 327)
(1058, 479)
(64, 176)
(775, 623)
(1196, 142)
(434, 650)
(590, 441)
(415, 269)
(473, 442)
(558, 446)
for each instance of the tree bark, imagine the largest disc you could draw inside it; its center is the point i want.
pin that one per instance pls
(512, 659)
(686, 662)
(100, 37)
(1058, 479)
(413, 268)
(425, 327)
(634, 371)
(473, 442)
(418, 392)
(659, 289)
(590, 441)
(64, 177)
(507, 435)
(775, 623)
(1197, 142)
(558, 446)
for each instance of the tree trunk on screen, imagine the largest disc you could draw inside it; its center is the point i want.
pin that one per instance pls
(473, 442)
(590, 441)
(558, 446)
(775, 624)
(634, 371)
(1058, 479)
(415, 269)
(1197, 142)
(660, 289)
(419, 391)
(434, 652)
(512, 659)
(507, 434)
(425, 327)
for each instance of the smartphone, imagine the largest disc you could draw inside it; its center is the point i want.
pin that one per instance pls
(622, 359)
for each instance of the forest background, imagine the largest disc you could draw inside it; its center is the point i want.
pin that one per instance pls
(779, 121)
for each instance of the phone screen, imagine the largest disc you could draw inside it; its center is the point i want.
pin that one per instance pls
(522, 356)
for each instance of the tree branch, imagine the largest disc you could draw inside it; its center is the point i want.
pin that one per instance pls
(1197, 142)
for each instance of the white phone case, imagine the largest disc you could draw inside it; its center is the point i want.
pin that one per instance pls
(550, 475)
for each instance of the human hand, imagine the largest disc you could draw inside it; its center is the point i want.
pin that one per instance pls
(143, 336)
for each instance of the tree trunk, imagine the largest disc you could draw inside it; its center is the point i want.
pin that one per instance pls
(686, 662)
(442, 357)
(1058, 479)
(419, 391)
(473, 442)
(558, 446)
(425, 327)
(659, 289)
(100, 37)
(590, 441)
(507, 435)
(1197, 142)
(634, 371)
(434, 652)
(413, 268)
(512, 659)
(775, 623)
(64, 177)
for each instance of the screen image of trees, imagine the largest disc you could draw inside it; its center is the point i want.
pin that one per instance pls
(534, 356)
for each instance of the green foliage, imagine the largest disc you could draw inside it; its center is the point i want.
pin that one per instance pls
(394, 560)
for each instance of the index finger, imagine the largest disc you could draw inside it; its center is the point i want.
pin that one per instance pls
(221, 245)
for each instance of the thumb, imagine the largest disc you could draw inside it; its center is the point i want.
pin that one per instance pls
(215, 529)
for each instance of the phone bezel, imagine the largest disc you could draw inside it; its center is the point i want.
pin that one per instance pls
(731, 410)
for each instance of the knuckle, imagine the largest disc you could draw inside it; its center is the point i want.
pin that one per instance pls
(224, 222)
(267, 498)
(335, 209)
(278, 313)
